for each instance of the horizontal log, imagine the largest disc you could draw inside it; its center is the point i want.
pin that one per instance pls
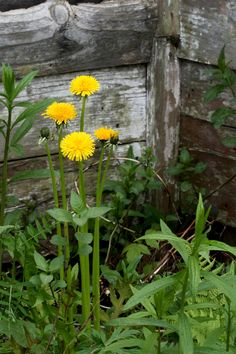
(56, 37)
(205, 27)
(39, 191)
(195, 81)
(120, 104)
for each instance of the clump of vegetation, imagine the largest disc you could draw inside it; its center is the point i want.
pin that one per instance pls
(78, 299)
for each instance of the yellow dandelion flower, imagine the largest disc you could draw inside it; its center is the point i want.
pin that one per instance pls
(77, 146)
(60, 112)
(84, 85)
(105, 134)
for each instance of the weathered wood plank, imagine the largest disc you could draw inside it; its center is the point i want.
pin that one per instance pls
(205, 27)
(203, 142)
(56, 37)
(201, 135)
(40, 191)
(168, 24)
(163, 108)
(195, 81)
(121, 104)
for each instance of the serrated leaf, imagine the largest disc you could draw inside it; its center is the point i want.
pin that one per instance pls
(56, 264)
(40, 261)
(6, 228)
(60, 215)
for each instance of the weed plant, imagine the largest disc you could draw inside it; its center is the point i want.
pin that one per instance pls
(53, 303)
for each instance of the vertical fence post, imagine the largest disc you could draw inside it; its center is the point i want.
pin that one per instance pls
(163, 98)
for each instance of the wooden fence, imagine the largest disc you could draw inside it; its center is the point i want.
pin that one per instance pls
(150, 57)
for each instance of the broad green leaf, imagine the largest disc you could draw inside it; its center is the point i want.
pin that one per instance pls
(17, 149)
(24, 82)
(96, 212)
(85, 249)
(80, 221)
(8, 80)
(32, 110)
(146, 303)
(181, 245)
(40, 261)
(6, 228)
(194, 273)
(17, 331)
(57, 240)
(185, 156)
(60, 215)
(45, 278)
(21, 131)
(213, 92)
(56, 264)
(229, 142)
(111, 275)
(76, 202)
(149, 290)
(32, 174)
(185, 186)
(120, 344)
(220, 246)
(130, 322)
(185, 335)
(220, 115)
(84, 237)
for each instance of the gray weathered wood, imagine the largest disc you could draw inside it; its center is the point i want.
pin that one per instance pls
(205, 27)
(56, 37)
(120, 103)
(195, 81)
(163, 107)
(39, 191)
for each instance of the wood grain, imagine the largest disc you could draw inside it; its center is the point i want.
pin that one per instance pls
(56, 37)
(205, 27)
(120, 104)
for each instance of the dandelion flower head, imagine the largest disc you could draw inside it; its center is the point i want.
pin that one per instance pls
(60, 112)
(84, 85)
(103, 133)
(77, 146)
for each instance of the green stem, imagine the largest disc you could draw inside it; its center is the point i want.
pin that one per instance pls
(185, 284)
(84, 260)
(4, 180)
(228, 327)
(96, 242)
(82, 113)
(56, 201)
(96, 253)
(64, 199)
